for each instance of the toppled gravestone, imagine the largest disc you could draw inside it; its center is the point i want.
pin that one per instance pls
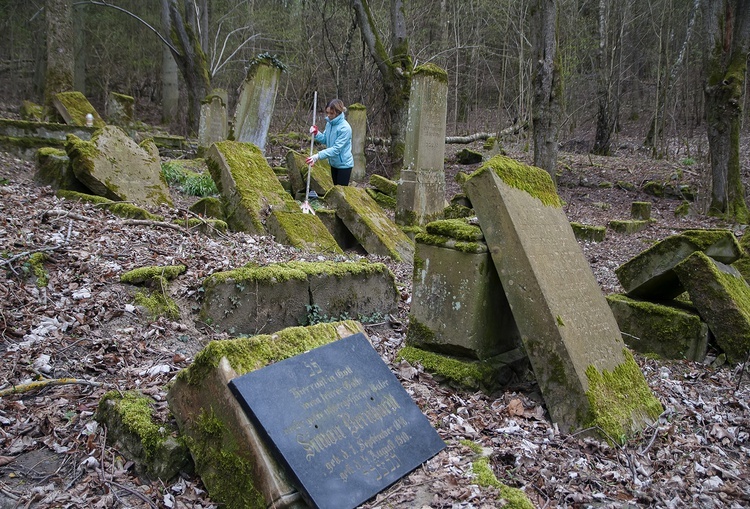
(248, 185)
(586, 374)
(232, 459)
(303, 231)
(372, 228)
(663, 329)
(722, 297)
(254, 299)
(320, 178)
(114, 166)
(650, 275)
(73, 108)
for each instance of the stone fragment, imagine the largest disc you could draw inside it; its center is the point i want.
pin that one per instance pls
(320, 179)
(650, 275)
(247, 184)
(213, 126)
(231, 457)
(657, 328)
(588, 233)
(73, 108)
(722, 297)
(585, 373)
(628, 226)
(120, 109)
(254, 299)
(303, 231)
(640, 210)
(114, 166)
(372, 228)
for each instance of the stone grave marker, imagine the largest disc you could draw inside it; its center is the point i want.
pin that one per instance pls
(357, 118)
(73, 108)
(213, 125)
(421, 190)
(339, 421)
(567, 328)
(252, 117)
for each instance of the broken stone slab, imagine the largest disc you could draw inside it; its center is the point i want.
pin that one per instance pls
(73, 108)
(254, 299)
(369, 224)
(640, 210)
(320, 179)
(458, 305)
(628, 226)
(336, 227)
(232, 459)
(152, 446)
(650, 275)
(53, 169)
(303, 231)
(384, 185)
(247, 184)
(120, 109)
(663, 329)
(112, 165)
(208, 206)
(255, 105)
(742, 264)
(722, 297)
(385, 201)
(588, 233)
(585, 372)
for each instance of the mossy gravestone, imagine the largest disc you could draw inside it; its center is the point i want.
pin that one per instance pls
(213, 120)
(73, 108)
(339, 420)
(114, 166)
(357, 117)
(585, 372)
(255, 106)
(248, 185)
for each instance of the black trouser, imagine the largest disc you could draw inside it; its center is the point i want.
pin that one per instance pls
(341, 176)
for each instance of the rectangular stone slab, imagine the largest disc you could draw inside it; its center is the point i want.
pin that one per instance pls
(565, 323)
(339, 420)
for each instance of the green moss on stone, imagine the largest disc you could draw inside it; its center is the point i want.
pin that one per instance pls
(628, 226)
(532, 180)
(78, 107)
(144, 274)
(249, 354)
(619, 399)
(136, 416)
(158, 304)
(130, 211)
(384, 185)
(36, 262)
(431, 70)
(587, 232)
(82, 197)
(357, 106)
(514, 497)
(470, 374)
(455, 228)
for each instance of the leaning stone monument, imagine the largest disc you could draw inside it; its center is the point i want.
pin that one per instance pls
(586, 374)
(213, 125)
(357, 118)
(421, 190)
(252, 117)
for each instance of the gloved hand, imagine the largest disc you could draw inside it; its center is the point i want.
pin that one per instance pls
(314, 130)
(312, 160)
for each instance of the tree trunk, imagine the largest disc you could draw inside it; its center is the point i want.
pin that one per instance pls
(604, 122)
(170, 85)
(395, 71)
(80, 49)
(60, 61)
(547, 87)
(728, 26)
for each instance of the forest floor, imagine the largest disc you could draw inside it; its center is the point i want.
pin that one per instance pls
(84, 325)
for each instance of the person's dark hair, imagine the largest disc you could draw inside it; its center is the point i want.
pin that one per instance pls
(336, 105)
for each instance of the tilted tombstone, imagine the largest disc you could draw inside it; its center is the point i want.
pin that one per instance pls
(120, 109)
(421, 190)
(213, 122)
(586, 374)
(252, 117)
(356, 115)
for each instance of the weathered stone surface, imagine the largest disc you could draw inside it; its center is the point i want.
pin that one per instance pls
(421, 190)
(114, 166)
(467, 156)
(722, 297)
(372, 228)
(650, 275)
(73, 108)
(384, 185)
(320, 179)
(213, 126)
(230, 456)
(668, 331)
(356, 115)
(248, 185)
(640, 210)
(254, 299)
(53, 169)
(255, 105)
(151, 445)
(336, 227)
(628, 226)
(24, 138)
(208, 207)
(303, 231)
(458, 306)
(567, 328)
(120, 109)
(588, 233)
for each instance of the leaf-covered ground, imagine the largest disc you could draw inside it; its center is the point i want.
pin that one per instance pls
(84, 325)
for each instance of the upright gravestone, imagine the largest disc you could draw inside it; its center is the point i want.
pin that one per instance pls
(586, 374)
(421, 190)
(213, 122)
(252, 117)
(357, 117)
(120, 108)
(339, 421)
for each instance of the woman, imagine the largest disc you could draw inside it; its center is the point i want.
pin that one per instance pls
(337, 138)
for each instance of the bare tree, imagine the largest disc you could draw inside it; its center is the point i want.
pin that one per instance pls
(547, 86)
(60, 58)
(728, 27)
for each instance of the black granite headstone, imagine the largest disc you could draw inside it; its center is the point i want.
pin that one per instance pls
(339, 421)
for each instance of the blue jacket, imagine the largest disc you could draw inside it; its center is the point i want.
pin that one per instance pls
(337, 138)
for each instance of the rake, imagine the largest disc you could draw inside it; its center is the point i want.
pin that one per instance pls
(306, 208)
